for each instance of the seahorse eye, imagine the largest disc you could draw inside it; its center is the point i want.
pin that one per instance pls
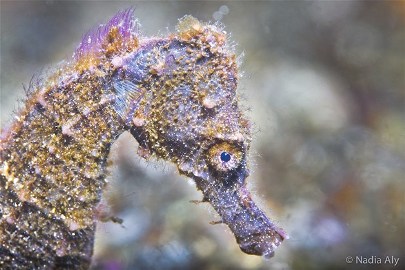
(225, 156)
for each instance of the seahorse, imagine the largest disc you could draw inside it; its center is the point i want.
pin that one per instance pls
(176, 95)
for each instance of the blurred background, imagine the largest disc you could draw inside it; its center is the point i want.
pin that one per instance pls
(324, 84)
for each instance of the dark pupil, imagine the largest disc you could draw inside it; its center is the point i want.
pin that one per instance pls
(225, 156)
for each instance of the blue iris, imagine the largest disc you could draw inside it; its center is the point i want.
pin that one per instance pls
(225, 156)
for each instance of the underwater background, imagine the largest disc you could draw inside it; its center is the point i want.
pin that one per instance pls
(324, 84)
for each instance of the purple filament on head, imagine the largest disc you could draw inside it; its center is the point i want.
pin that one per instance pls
(124, 21)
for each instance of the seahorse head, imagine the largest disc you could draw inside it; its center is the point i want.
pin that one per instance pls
(181, 104)
(189, 110)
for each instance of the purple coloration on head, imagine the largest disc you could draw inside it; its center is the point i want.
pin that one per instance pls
(127, 27)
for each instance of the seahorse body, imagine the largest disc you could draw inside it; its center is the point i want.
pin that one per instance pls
(177, 97)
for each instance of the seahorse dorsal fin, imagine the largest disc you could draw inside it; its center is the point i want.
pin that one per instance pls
(125, 87)
(128, 97)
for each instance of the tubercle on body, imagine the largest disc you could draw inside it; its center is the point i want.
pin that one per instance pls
(177, 97)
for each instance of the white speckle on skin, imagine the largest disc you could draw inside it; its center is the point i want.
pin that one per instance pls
(138, 121)
(10, 220)
(51, 149)
(209, 103)
(41, 100)
(37, 170)
(22, 195)
(237, 137)
(86, 111)
(106, 98)
(4, 169)
(66, 129)
(144, 152)
(73, 226)
(186, 166)
(60, 252)
(117, 61)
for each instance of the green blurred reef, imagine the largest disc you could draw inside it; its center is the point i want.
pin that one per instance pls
(324, 84)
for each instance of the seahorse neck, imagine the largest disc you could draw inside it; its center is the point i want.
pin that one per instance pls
(61, 141)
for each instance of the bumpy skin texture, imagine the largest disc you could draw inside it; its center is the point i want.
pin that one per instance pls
(176, 95)
(52, 173)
